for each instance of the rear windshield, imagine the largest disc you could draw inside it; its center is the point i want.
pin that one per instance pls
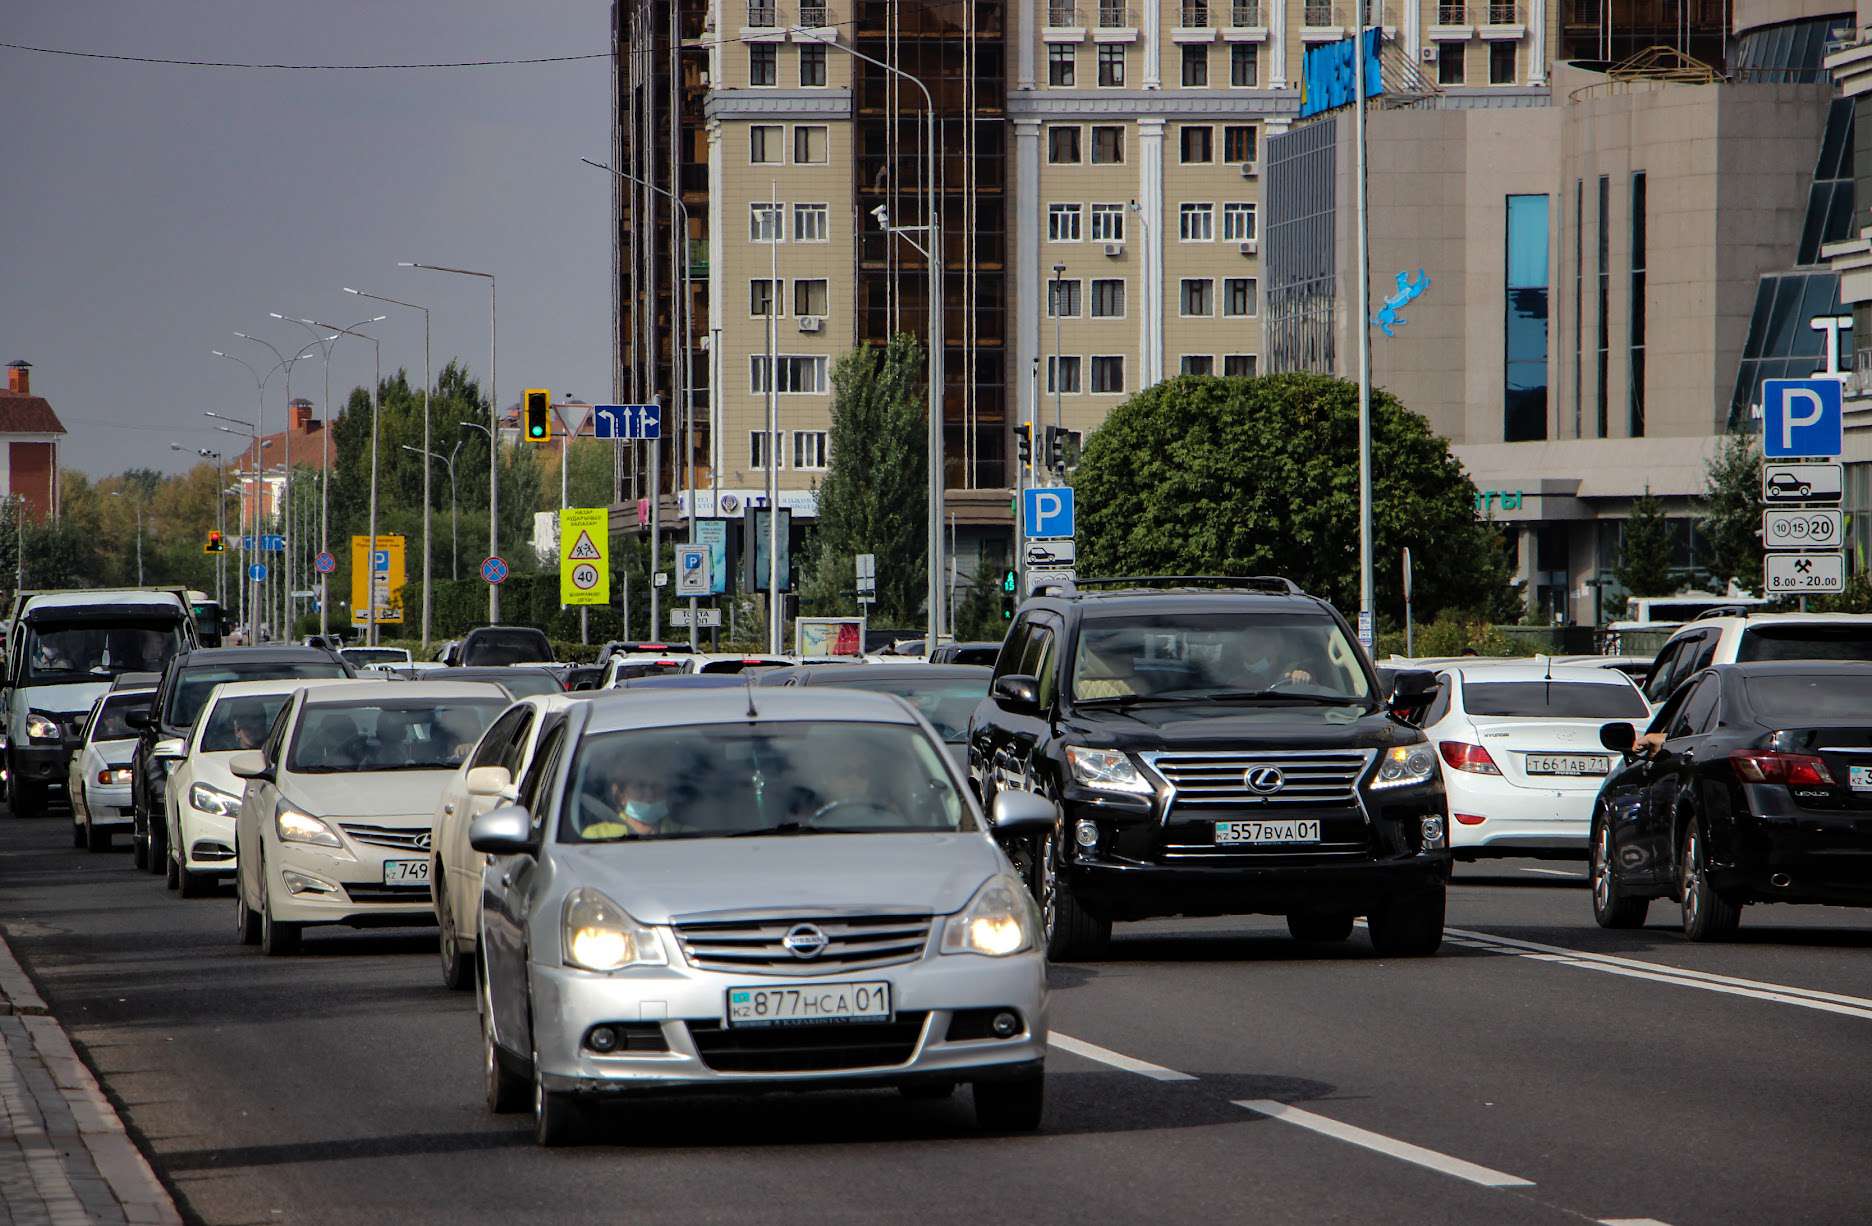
(376, 655)
(1808, 699)
(1554, 700)
(418, 734)
(241, 723)
(650, 668)
(110, 724)
(506, 647)
(192, 688)
(1793, 641)
(944, 701)
(740, 666)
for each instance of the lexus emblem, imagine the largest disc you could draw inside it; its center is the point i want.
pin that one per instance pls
(1264, 780)
(804, 941)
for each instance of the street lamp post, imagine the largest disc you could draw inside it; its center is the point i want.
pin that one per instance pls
(448, 462)
(428, 385)
(250, 594)
(370, 552)
(493, 420)
(220, 516)
(139, 533)
(286, 478)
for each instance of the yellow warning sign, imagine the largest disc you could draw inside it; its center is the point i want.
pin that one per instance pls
(584, 556)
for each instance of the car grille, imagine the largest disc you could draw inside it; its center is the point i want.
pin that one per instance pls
(808, 1049)
(853, 942)
(387, 893)
(403, 838)
(1312, 778)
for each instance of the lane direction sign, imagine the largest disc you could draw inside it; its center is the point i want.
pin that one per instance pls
(1805, 574)
(257, 572)
(1813, 529)
(627, 421)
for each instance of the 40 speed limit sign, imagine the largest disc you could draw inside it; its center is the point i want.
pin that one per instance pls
(1809, 529)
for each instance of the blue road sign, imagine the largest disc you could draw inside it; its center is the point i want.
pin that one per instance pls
(325, 563)
(494, 570)
(272, 542)
(630, 421)
(380, 560)
(247, 543)
(257, 572)
(1802, 417)
(1048, 511)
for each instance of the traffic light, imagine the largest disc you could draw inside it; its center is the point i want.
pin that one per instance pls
(536, 409)
(216, 544)
(1056, 448)
(1024, 442)
(1010, 584)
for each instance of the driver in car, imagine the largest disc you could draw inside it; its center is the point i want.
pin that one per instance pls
(639, 804)
(248, 728)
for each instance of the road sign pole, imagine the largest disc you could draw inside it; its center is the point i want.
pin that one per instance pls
(692, 624)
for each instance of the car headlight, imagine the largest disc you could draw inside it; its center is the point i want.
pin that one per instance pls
(1405, 765)
(1107, 770)
(41, 727)
(205, 799)
(1000, 920)
(296, 827)
(601, 936)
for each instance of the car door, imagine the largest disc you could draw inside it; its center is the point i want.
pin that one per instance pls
(1675, 663)
(507, 890)
(505, 745)
(1684, 722)
(258, 799)
(81, 764)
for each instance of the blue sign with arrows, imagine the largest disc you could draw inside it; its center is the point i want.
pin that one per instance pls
(628, 421)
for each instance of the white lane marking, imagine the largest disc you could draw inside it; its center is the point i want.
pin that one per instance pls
(1557, 872)
(1755, 989)
(1104, 1055)
(1631, 1221)
(1379, 1143)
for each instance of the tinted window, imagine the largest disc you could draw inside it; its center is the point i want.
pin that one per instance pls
(740, 666)
(1795, 641)
(650, 668)
(417, 734)
(241, 723)
(1554, 700)
(527, 684)
(192, 688)
(515, 646)
(375, 655)
(1190, 655)
(1698, 711)
(945, 702)
(1808, 699)
(499, 738)
(1664, 669)
(110, 724)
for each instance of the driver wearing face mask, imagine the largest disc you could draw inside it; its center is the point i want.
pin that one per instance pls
(641, 806)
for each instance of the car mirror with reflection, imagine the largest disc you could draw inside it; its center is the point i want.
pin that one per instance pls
(1619, 736)
(249, 764)
(1022, 813)
(503, 831)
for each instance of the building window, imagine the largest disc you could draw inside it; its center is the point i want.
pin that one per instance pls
(1063, 299)
(1107, 145)
(1108, 223)
(1239, 365)
(1198, 364)
(764, 222)
(809, 145)
(809, 449)
(1198, 296)
(758, 451)
(1108, 375)
(1525, 347)
(1063, 223)
(1449, 63)
(1636, 397)
(1063, 145)
(812, 64)
(1238, 222)
(1198, 144)
(763, 63)
(1066, 371)
(762, 295)
(766, 145)
(809, 223)
(1062, 64)
(800, 374)
(1501, 63)
(809, 297)
(1244, 65)
(1111, 64)
(1196, 66)
(1241, 143)
(1108, 298)
(1196, 223)
(1241, 297)
(1605, 301)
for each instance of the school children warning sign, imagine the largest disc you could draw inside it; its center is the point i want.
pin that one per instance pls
(584, 556)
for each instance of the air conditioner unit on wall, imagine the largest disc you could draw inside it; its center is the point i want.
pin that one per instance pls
(1250, 246)
(1114, 249)
(1428, 54)
(1250, 169)
(811, 323)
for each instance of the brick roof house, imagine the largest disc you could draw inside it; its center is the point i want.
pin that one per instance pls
(30, 434)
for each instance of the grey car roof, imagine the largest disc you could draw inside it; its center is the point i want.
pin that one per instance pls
(620, 710)
(364, 693)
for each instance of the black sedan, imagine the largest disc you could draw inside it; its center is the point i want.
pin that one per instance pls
(1752, 784)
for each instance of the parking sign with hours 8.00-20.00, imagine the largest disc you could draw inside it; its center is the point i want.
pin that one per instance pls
(1805, 574)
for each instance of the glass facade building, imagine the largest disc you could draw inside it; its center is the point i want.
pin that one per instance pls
(1526, 294)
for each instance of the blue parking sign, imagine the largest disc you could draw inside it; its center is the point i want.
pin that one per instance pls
(1048, 511)
(1802, 417)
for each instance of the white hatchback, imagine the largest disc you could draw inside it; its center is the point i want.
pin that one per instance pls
(1521, 753)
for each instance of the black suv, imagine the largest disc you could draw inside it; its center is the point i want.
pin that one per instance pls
(162, 734)
(1215, 747)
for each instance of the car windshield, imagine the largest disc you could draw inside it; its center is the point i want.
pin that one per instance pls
(506, 647)
(375, 655)
(944, 701)
(1808, 700)
(192, 689)
(525, 682)
(111, 722)
(411, 734)
(719, 781)
(1170, 657)
(1554, 700)
(650, 668)
(1804, 641)
(67, 653)
(241, 723)
(740, 666)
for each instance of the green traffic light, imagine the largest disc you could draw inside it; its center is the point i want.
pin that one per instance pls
(1007, 582)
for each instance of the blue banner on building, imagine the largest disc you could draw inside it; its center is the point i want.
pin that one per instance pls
(1326, 79)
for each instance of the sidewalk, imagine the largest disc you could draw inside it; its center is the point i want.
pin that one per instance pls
(64, 1155)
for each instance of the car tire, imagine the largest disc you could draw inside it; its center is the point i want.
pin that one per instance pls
(78, 835)
(1010, 1106)
(1073, 934)
(1707, 915)
(1610, 907)
(172, 873)
(246, 919)
(158, 850)
(96, 839)
(28, 800)
(559, 1118)
(193, 885)
(277, 938)
(1320, 927)
(458, 968)
(1410, 925)
(139, 848)
(506, 1092)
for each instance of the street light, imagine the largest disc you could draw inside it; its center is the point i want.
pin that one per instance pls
(493, 420)
(370, 553)
(428, 384)
(250, 592)
(454, 506)
(285, 509)
(220, 516)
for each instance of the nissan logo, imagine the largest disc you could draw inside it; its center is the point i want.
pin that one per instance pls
(804, 941)
(1264, 780)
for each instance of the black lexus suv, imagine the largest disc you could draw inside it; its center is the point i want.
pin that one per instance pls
(1214, 747)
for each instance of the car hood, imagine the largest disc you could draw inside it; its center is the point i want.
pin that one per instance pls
(1194, 726)
(64, 700)
(368, 793)
(801, 874)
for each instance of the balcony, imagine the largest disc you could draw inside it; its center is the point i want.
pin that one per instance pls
(1113, 16)
(815, 16)
(763, 16)
(1063, 15)
(1452, 15)
(1245, 14)
(1504, 20)
(1319, 14)
(1196, 14)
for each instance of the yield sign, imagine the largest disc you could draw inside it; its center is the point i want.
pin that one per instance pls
(583, 550)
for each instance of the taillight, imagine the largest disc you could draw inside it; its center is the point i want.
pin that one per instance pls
(1796, 770)
(1466, 757)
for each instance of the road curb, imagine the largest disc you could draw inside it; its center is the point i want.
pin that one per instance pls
(17, 993)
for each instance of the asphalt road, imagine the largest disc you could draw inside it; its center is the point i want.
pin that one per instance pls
(1538, 1070)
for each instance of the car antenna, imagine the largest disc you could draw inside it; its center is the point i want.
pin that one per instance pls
(747, 679)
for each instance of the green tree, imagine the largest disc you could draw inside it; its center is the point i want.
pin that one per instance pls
(978, 614)
(873, 499)
(1246, 476)
(1731, 524)
(1645, 550)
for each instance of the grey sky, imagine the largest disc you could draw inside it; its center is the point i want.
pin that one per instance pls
(146, 212)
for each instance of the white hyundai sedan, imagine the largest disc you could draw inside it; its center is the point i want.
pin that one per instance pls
(1521, 753)
(335, 823)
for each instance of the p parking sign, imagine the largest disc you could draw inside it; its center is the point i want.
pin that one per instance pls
(1802, 417)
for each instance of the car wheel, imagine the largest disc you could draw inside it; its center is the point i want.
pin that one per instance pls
(1409, 926)
(457, 967)
(139, 845)
(277, 938)
(158, 849)
(1610, 908)
(28, 800)
(172, 873)
(1073, 934)
(1010, 1106)
(78, 835)
(193, 885)
(559, 1118)
(96, 839)
(506, 1093)
(1707, 915)
(246, 920)
(1315, 926)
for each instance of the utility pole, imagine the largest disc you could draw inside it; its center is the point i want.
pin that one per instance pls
(1367, 614)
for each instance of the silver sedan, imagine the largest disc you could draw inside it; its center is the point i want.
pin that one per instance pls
(749, 889)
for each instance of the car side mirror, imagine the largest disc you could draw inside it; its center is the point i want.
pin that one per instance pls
(250, 764)
(138, 719)
(1620, 737)
(1412, 688)
(491, 782)
(1016, 692)
(1022, 813)
(503, 831)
